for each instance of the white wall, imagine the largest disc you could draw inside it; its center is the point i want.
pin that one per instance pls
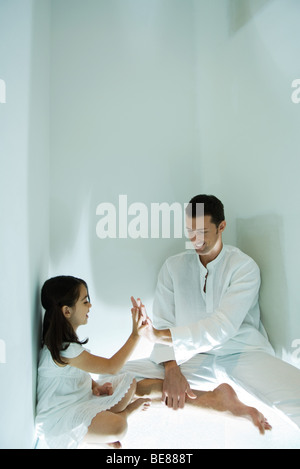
(24, 151)
(158, 100)
(163, 100)
(122, 123)
(248, 55)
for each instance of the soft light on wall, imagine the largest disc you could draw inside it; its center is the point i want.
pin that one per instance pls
(156, 101)
(129, 140)
(2, 91)
(248, 122)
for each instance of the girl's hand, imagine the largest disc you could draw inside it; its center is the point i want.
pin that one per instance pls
(138, 324)
(138, 304)
(100, 390)
(146, 329)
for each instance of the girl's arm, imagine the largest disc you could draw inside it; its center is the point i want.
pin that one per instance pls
(94, 364)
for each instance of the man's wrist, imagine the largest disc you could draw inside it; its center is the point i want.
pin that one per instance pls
(162, 336)
(170, 365)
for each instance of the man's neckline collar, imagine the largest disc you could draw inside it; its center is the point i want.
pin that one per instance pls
(214, 261)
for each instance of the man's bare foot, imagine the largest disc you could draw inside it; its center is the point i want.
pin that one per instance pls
(225, 399)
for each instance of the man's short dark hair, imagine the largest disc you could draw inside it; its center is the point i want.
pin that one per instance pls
(212, 207)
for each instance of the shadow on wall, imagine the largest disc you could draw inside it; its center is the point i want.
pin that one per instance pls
(261, 238)
(36, 331)
(124, 267)
(37, 175)
(241, 12)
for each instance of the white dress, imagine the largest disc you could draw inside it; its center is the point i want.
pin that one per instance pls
(65, 403)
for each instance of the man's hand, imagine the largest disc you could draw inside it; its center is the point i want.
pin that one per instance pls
(175, 387)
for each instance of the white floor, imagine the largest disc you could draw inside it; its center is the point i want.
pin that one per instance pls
(166, 429)
(160, 427)
(163, 428)
(188, 429)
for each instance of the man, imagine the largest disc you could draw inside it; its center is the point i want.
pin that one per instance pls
(207, 321)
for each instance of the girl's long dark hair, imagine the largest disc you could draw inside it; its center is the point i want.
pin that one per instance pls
(57, 331)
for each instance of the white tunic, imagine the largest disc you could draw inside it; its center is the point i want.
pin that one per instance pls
(66, 405)
(222, 318)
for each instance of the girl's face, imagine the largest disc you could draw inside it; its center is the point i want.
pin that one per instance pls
(77, 315)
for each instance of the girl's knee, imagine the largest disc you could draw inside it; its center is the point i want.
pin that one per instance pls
(119, 427)
(106, 427)
(123, 403)
(133, 385)
(131, 391)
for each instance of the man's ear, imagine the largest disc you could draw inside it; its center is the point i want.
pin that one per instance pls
(222, 226)
(66, 312)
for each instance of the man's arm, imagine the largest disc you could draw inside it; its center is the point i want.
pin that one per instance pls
(163, 316)
(175, 386)
(180, 343)
(224, 322)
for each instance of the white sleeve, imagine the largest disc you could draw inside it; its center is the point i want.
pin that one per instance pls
(73, 350)
(163, 314)
(223, 323)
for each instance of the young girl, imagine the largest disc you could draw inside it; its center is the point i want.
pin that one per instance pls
(72, 408)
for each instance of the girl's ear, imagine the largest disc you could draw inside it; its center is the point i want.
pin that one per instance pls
(66, 311)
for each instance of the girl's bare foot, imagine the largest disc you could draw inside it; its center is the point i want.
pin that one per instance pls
(139, 404)
(115, 445)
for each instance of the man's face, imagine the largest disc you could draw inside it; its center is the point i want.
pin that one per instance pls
(204, 235)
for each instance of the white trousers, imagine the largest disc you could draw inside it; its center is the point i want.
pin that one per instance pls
(270, 379)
